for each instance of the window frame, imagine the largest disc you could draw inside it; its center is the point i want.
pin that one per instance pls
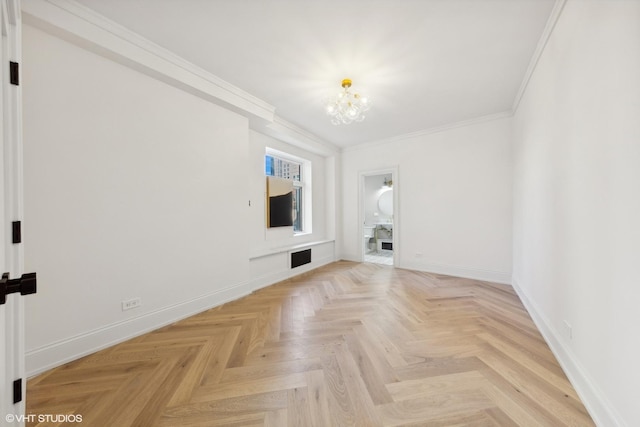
(303, 185)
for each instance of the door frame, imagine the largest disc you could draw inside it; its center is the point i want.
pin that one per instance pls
(393, 170)
(12, 347)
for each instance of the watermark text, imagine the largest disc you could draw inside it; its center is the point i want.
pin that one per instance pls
(44, 418)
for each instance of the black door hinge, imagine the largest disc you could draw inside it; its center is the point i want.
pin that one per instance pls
(14, 73)
(17, 391)
(16, 232)
(26, 285)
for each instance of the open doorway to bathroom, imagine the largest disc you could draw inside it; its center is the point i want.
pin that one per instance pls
(379, 219)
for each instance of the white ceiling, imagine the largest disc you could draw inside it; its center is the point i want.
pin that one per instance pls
(423, 63)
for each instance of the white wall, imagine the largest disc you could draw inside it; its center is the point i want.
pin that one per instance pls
(577, 202)
(455, 197)
(270, 248)
(261, 238)
(133, 188)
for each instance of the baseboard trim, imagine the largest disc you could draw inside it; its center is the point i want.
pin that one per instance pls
(64, 351)
(502, 277)
(268, 279)
(58, 353)
(277, 276)
(351, 257)
(594, 400)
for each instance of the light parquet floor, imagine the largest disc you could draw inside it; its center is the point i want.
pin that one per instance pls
(347, 344)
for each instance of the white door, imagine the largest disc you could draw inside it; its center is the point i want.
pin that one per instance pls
(11, 258)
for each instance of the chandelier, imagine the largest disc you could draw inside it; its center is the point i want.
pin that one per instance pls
(347, 106)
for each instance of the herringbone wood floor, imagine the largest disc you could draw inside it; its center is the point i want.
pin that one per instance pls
(347, 344)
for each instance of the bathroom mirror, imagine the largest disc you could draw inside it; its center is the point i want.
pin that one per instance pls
(385, 202)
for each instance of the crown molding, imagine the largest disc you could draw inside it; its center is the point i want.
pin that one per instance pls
(542, 43)
(291, 134)
(82, 26)
(429, 131)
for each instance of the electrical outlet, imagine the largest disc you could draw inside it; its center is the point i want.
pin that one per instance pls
(131, 303)
(569, 329)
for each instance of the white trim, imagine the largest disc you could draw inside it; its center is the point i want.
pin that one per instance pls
(502, 277)
(90, 30)
(80, 25)
(351, 257)
(429, 131)
(298, 137)
(63, 351)
(58, 353)
(12, 323)
(542, 43)
(268, 279)
(394, 171)
(271, 278)
(286, 156)
(594, 399)
(305, 183)
(288, 248)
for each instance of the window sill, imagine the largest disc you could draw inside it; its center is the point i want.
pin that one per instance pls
(274, 251)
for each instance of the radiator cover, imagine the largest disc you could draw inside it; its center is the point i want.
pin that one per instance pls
(300, 258)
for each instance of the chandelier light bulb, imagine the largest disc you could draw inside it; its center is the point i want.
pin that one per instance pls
(347, 106)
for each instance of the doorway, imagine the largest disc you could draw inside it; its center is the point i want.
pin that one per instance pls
(379, 216)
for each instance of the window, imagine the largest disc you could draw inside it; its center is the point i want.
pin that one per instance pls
(283, 165)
